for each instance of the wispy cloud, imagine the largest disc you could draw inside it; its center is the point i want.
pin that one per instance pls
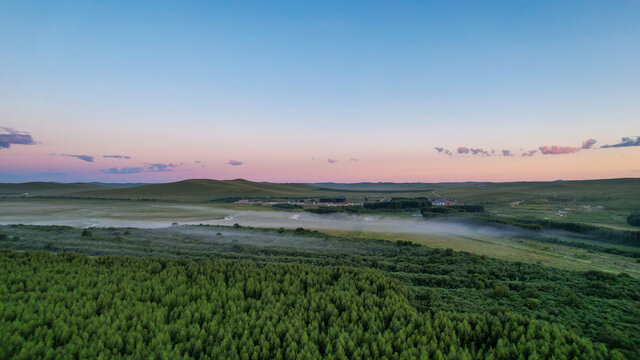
(125, 170)
(235, 162)
(563, 150)
(160, 167)
(557, 150)
(332, 161)
(465, 150)
(442, 150)
(545, 150)
(126, 157)
(354, 159)
(588, 144)
(479, 151)
(14, 137)
(625, 142)
(87, 158)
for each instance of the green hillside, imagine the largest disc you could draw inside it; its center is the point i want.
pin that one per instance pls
(613, 194)
(203, 190)
(45, 188)
(612, 191)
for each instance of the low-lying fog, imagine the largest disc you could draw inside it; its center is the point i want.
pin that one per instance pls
(161, 215)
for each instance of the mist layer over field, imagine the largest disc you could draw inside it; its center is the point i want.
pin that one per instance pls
(81, 214)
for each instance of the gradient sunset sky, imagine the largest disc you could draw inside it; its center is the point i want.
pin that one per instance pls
(298, 91)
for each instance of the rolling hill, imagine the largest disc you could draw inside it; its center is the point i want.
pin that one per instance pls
(199, 190)
(613, 193)
(46, 189)
(623, 194)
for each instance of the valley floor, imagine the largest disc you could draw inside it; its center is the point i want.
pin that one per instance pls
(500, 242)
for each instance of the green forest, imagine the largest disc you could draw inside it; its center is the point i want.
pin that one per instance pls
(73, 306)
(145, 280)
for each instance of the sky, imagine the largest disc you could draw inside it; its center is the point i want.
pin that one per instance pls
(301, 91)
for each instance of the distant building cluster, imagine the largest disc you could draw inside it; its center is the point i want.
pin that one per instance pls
(310, 202)
(443, 202)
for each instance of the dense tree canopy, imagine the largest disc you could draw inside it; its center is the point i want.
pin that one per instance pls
(107, 307)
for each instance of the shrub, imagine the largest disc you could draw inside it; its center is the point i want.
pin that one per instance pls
(574, 301)
(634, 219)
(532, 304)
(426, 296)
(86, 232)
(501, 291)
(287, 206)
(530, 293)
(324, 210)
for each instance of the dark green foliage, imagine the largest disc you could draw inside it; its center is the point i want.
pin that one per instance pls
(615, 337)
(634, 219)
(287, 206)
(73, 306)
(574, 301)
(227, 199)
(398, 204)
(600, 233)
(511, 222)
(336, 199)
(325, 210)
(406, 243)
(533, 304)
(634, 253)
(4, 237)
(86, 232)
(501, 291)
(452, 209)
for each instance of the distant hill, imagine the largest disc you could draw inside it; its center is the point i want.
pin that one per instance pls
(612, 193)
(45, 188)
(119, 184)
(203, 190)
(622, 193)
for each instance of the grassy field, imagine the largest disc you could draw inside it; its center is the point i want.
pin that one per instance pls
(489, 241)
(514, 248)
(600, 202)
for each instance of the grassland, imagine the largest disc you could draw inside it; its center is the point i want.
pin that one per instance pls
(490, 240)
(598, 202)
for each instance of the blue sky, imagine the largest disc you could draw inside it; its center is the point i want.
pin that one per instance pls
(282, 83)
